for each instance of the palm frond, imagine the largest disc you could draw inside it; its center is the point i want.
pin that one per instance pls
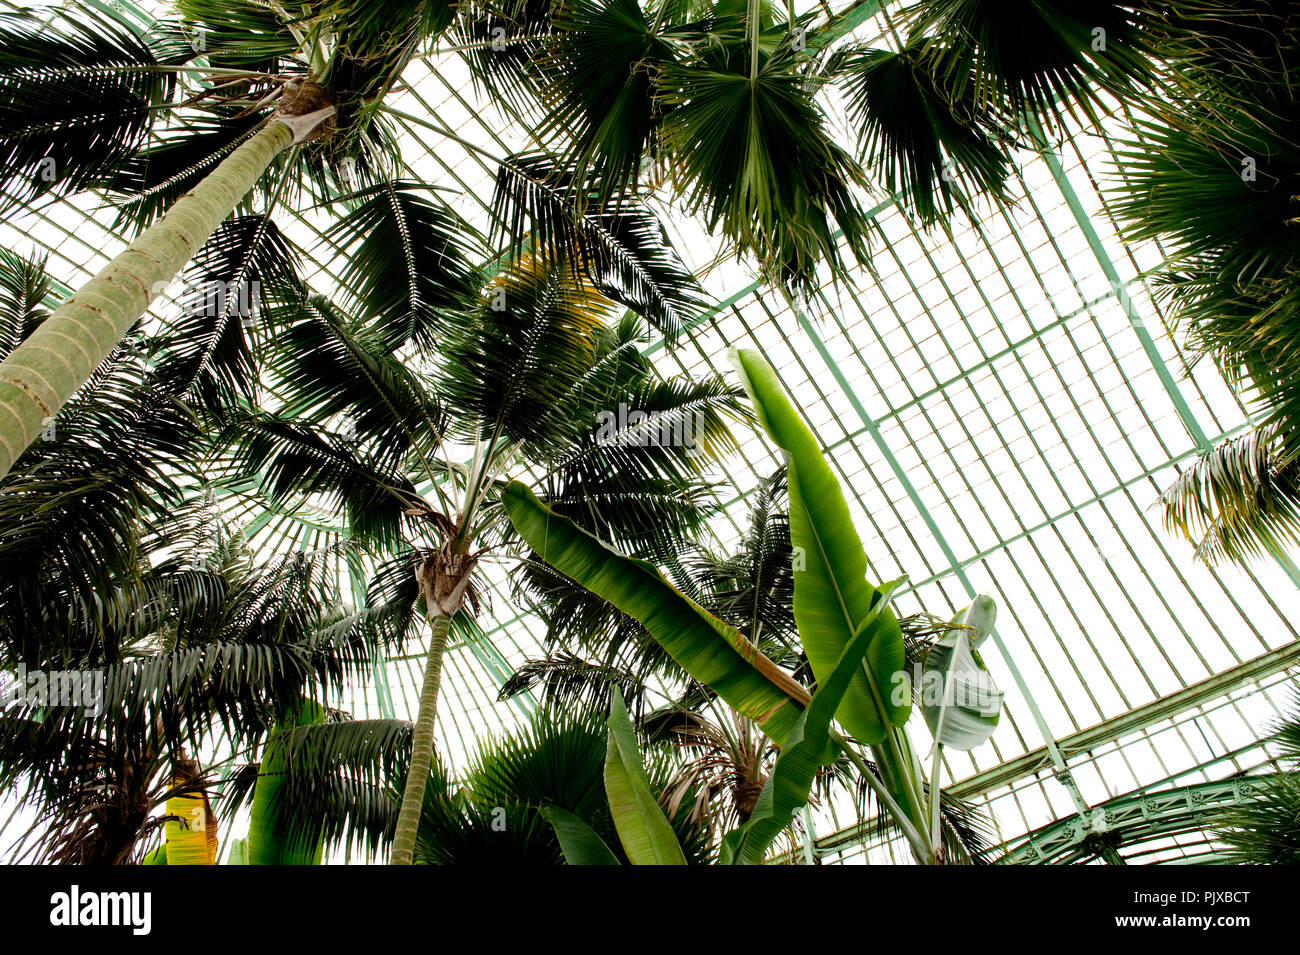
(926, 142)
(1265, 831)
(77, 96)
(340, 782)
(151, 179)
(1237, 501)
(619, 245)
(504, 43)
(758, 159)
(245, 271)
(566, 680)
(239, 34)
(633, 472)
(333, 367)
(1048, 58)
(72, 508)
(601, 71)
(1217, 187)
(291, 458)
(408, 262)
(26, 295)
(533, 335)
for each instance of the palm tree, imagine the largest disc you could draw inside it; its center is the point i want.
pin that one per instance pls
(720, 99)
(546, 383)
(341, 373)
(1266, 831)
(259, 99)
(1210, 171)
(118, 569)
(498, 812)
(202, 645)
(241, 83)
(58, 77)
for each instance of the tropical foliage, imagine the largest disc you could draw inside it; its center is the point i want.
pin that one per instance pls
(859, 661)
(476, 397)
(1266, 831)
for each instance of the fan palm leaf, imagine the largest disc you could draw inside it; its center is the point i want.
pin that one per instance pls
(755, 155)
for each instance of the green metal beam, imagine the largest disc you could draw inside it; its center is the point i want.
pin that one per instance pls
(1062, 770)
(1108, 269)
(1133, 819)
(1130, 722)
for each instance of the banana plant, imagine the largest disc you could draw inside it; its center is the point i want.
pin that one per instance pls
(835, 608)
(959, 700)
(190, 827)
(831, 602)
(269, 841)
(191, 837)
(643, 830)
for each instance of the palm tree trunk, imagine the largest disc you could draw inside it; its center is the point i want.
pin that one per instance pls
(417, 776)
(45, 370)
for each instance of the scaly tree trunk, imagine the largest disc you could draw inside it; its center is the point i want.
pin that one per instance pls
(42, 373)
(417, 776)
(443, 579)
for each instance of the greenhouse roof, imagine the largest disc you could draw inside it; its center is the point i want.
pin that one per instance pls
(1003, 406)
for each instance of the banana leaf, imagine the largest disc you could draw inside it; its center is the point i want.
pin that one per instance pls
(580, 843)
(642, 827)
(714, 653)
(191, 834)
(804, 753)
(269, 841)
(959, 700)
(832, 597)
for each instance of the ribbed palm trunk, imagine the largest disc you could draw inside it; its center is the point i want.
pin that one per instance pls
(443, 579)
(417, 776)
(42, 373)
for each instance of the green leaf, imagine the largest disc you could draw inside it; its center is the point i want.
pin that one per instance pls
(238, 854)
(642, 827)
(26, 294)
(581, 844)
(919, 136)
(709, 650)
(832, 597)
(756, 157)
(1039, 56)
(959, 700)
(78, 93)
(408, 261)
(619, 245)
(804, 753)
(208, 347)
(157, 856)
(270, 839)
